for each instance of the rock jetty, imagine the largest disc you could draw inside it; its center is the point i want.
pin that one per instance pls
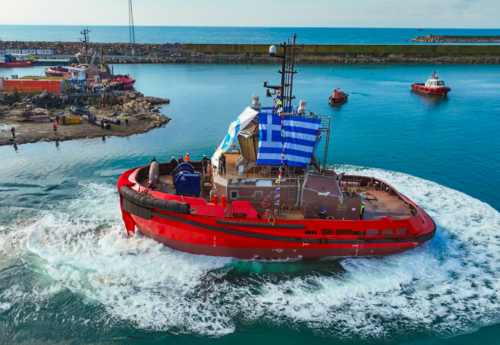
(456, 39)
(33, 115)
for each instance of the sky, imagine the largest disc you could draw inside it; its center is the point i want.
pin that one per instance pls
(263, 13)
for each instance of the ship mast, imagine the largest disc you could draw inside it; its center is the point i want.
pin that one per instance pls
(287, 71)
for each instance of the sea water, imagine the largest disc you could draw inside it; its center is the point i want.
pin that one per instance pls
(240, 35)
(69, 272)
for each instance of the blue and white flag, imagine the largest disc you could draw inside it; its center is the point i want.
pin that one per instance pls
(234, 129)
(297, 144)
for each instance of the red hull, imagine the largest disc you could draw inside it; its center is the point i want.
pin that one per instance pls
(340, 99)
(441, 91)
(15, 64)
(49, 72)
(213, 234)
(127, 81)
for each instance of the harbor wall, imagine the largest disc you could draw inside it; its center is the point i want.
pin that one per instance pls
(328, 49)
(121, 53)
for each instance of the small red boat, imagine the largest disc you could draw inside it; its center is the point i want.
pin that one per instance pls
(338, 96)
(125, 81)
(433, 86)
(57, 71)
(270, 199)
(8, 62)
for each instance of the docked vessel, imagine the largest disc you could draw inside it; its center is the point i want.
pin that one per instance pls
(8, 61)
(269, 196)
(433, 86)
(57, 71)
(124, 81)
(338, 96)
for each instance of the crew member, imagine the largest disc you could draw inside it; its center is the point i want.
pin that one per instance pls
(55, 128)
(180, 160)
(222, 164)
(126, 120)
(151, 185)
(173, 164)
(187, 158)
(362, 211)
(154, 159)
(322, 214)
(204, 163)
(13, 131)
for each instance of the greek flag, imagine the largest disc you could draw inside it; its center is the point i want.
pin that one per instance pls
(297, 143)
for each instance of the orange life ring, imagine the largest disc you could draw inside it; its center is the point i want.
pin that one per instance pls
(265, 203)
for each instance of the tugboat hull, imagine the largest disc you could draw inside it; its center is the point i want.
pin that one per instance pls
(175, 224)
(440, 91)
(201, 241)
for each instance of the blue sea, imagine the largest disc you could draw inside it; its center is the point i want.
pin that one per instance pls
(234, 35)
(69, 274)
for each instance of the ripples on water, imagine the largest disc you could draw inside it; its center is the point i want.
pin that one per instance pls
(72, 264)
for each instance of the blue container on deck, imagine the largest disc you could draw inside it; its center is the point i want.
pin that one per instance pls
(186, 183)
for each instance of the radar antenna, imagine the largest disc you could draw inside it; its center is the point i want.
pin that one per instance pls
(131, 29)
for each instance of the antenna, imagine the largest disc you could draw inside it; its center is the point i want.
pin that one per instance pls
(85, 41)
(131, 29)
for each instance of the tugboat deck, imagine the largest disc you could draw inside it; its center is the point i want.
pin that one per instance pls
(378, 203)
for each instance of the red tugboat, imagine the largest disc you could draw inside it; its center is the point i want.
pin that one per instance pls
(125, 81)
(271, 198)
(433, 86)
(338, 96)
(7, 61)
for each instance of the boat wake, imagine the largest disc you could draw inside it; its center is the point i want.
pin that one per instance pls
(451, 284)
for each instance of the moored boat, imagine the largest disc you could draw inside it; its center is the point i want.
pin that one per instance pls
(271, 198)
(338, 96)
(57, 71)
(124, 81)
(7, 61)
(433, 86)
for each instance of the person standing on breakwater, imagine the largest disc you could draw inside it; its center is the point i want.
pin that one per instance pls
(57, 118)
(102, 124)
(63, 118)
(13, 131)
(126, 120)
(54, 126)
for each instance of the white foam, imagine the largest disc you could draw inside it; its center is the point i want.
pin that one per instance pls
(7, 127)
(449, 284)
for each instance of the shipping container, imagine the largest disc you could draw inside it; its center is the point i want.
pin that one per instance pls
(23, 85)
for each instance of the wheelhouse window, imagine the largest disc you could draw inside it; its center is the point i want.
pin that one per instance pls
(234, 194)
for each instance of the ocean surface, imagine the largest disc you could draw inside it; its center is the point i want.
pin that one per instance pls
(241, 35)
(69, 274)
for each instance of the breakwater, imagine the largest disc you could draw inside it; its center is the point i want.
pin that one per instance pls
(456, 39)
(121, 53)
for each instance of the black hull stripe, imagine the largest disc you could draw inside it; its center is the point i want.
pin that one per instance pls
(419, 239)
(261, 225)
